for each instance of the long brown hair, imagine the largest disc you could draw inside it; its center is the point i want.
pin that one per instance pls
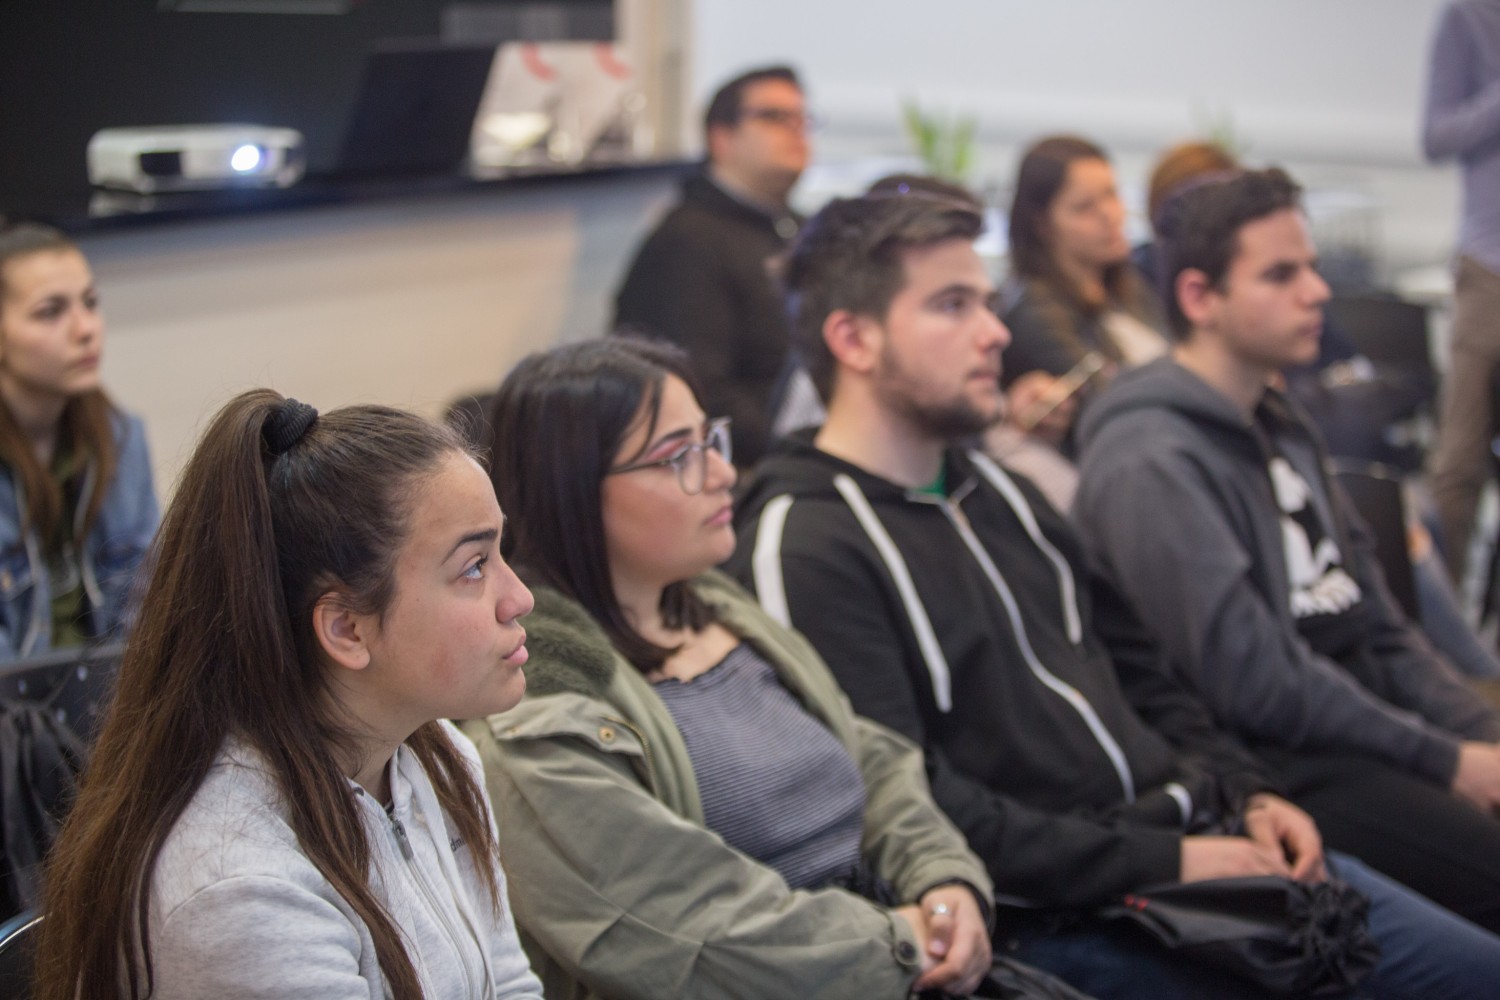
(1042, 174)
(87, 427)
(224, 647)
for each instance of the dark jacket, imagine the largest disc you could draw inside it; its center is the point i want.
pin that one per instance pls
(994, 667)
(1051, 331)
(1176, 507)
(701, 280)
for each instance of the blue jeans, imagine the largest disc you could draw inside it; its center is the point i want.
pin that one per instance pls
(1427, 953)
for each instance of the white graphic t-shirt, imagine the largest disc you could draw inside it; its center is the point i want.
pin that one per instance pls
(1324, 598)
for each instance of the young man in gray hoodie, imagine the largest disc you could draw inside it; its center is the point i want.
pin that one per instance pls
(1204, 498)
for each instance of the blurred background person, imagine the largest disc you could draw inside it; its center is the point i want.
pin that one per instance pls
(77, 507)
(1076, 307)
(701, 279)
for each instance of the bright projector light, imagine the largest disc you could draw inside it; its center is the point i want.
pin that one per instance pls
(162, 158)
(245, 159)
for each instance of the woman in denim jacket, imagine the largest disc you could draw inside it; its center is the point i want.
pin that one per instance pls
(77, 507)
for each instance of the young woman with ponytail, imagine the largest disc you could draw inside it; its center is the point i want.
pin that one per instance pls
(77, 511)
(272, 808)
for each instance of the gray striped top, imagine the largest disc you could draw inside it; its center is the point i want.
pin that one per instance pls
(774, 782)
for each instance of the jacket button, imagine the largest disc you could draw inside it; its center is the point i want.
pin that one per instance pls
(607, 734)
(906, 951)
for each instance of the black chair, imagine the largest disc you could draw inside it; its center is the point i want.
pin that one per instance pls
(1384, 416)
(49, 705)
(1385, 329)
(17, 944)
(73, 684)
(1376, 494)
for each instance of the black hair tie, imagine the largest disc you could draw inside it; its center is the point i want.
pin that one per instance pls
(288, 421)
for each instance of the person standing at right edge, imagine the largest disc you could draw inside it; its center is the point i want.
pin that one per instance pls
(1462, 122)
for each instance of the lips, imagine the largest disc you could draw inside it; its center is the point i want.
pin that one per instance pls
(519, 655)
(723, 516)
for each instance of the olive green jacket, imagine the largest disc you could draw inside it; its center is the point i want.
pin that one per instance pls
(619, 889)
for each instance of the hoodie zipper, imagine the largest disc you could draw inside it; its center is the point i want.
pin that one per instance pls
(1067, 585)
(1070, 694)
(917, 615)
(402, 842)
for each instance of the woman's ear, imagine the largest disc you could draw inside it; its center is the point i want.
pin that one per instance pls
(342, 633)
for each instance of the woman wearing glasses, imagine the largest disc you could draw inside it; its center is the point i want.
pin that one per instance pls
(691, 808)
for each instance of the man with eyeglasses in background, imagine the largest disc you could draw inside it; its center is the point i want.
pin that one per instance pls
(701, 280)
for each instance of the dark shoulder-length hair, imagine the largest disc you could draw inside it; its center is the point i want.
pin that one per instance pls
(1043, 172)
(265, 522)
(87, 425)
(559, 421)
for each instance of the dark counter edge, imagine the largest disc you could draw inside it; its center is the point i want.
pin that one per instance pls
(323, 192)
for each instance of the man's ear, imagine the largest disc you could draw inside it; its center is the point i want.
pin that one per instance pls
(343, 634)
(1196, 296)
(714, 139)
(853, 340)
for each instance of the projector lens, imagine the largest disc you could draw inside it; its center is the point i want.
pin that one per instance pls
(245, 159)
(161, 164)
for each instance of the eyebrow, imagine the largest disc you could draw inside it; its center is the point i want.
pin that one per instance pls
(486, 535)
(677, 435)
(963, 288)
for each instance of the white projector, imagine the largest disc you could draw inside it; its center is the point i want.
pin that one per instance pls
(195, 157)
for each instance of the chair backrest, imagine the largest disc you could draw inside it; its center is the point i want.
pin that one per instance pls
(17, 943)
(1376, 495)
(73, 684)
(1386, 330)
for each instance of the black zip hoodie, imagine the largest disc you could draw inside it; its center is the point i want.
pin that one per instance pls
(973, 634)
(1176, 508)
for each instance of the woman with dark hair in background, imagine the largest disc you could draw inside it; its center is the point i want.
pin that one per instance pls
(272, 808)
(77, 510)
(686, 793)
(1075, 306)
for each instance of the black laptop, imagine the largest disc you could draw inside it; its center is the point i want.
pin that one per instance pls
(415, 108)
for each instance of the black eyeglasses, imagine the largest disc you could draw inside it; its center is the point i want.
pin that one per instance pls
(690, 462)
(802, 121)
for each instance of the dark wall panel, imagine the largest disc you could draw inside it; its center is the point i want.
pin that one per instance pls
(71, 67)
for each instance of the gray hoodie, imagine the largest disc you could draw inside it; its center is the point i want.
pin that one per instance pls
(237, 910)
(1176, 507)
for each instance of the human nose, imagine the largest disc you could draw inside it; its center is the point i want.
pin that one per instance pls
(718, 472)
(88, 323)
(1318, 291)
(995, 332)
(1114, 211)
(515, 600)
